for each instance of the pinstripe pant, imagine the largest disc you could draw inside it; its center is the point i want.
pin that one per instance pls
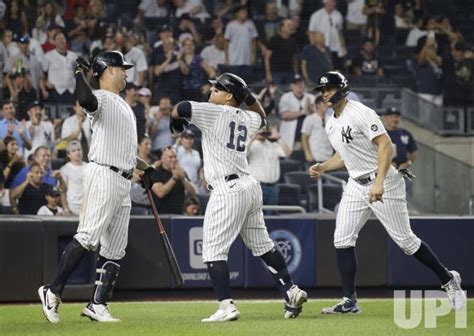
(105, 212)
(355, 209)
(234, 207)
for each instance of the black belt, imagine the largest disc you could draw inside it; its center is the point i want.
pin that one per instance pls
(126, 175)
(365, 180)
(226, 178)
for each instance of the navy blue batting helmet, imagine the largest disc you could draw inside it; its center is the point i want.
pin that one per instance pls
(233, 84)
(112, 58)
(334, 79)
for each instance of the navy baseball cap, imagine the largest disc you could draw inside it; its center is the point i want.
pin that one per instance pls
(297, 79)
(35, 103)
(164, 28)
(24, 39)
(392, 110)
(188, 134)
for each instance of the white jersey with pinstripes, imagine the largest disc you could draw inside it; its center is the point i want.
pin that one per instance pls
(351, 136)
(235, 206)
(226, 131)
(105, 210)
(114, 134)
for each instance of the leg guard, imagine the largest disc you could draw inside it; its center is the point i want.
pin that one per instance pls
(107, 274)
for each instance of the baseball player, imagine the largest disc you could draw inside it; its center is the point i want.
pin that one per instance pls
(363, 146)
(105, 209)
(235, 204)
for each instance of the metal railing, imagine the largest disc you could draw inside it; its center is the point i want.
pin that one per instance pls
(321, 207)
(284, 208)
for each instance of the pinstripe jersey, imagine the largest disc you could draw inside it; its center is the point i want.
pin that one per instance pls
(351, 136)
(226, 131)
(114, 132)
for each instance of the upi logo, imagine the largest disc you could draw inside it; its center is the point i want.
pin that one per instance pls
(433, 304)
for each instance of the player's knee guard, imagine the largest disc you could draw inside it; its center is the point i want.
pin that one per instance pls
(107, 274)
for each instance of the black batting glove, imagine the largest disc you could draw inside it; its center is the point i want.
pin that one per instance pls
(82, 65)
(178, 125)
(146, 180)
(406, 173)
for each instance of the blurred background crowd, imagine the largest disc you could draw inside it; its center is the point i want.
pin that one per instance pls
(280, 47)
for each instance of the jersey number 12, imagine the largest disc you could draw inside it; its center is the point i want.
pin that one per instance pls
(241, 138)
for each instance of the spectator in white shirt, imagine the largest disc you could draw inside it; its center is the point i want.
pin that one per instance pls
(51, 207)
(77, 127)
(214, 54)
(73, 173)
(41, 131)
(330, 22)
(59, 65)
(293, 107)
(195, 9)
(314, 138)
(355, 18)
(158, 125)
(416, 33)
(152, 9)
(135, 56)
(264, 153)
(241, 44)
(189, 158)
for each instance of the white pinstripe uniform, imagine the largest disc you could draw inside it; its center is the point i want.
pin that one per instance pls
(235, 206)
(351, 136)
(105, 209)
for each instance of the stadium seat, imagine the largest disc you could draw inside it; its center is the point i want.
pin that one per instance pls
(298, 155)
(289, 194)
(57, 163)
(139, 211)
(331, 197)
(288, 165)
(300, 178)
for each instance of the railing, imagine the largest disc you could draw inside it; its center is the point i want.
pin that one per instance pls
(284, 208)
(321, 207)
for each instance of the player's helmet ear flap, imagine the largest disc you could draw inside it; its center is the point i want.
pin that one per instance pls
(334, 79)
(232, 84)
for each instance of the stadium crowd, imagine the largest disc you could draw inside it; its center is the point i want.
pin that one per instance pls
(280, 47)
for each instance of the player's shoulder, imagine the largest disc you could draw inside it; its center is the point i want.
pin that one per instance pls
(206, 107)
(358, 110)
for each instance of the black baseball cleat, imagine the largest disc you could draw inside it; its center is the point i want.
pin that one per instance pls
(346, 306)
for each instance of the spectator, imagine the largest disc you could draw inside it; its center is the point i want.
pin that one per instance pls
(264, 152)
(77, 127)
(73, 173)
(167, 73)
(315, 58)
(188, 157)
(10, 126)
(94, 18)
(30, 194)
(214, 54)
(429, 72)
(415, 33)
(27, 61)
(59, 65)
(194, 8)
(51, 207)
(402, 140)
(171, 184)
(151, 9)
(49, 45)
(329, 21)
(192, 207)
(144, 97)
(366, 63)
(15, 18)
(138, 39)
(135, 56)
(9, 43)
(42, 156)
(47, 17)
(41, 131)
(187, 29)
(293, 108)
(71, 4)
(3, 67)
(241, 44)
(131, 97)
(22, 93)
(403, 24)
(11, 161)
(458, 77)
(280, 57)
(77, 31)
(159, 129)
(270, 25)
(374, 9)
(195, 71)
(215, 28)
(355, 18)
(144, 151)
(268, 97)
(314, 138)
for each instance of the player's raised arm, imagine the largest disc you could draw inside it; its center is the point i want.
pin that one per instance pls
(83, 90)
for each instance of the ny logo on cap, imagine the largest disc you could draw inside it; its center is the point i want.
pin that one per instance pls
(323, 80)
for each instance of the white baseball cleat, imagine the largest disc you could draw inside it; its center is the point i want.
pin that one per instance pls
(456, 296)
(227, 312)
(50, 303)
(99, 313)
(294, 306)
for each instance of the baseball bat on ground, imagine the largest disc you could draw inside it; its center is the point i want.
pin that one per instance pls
(170, 257)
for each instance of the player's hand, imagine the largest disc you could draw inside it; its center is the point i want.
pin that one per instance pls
(376, 192)
(82, 65)
(316, 170)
